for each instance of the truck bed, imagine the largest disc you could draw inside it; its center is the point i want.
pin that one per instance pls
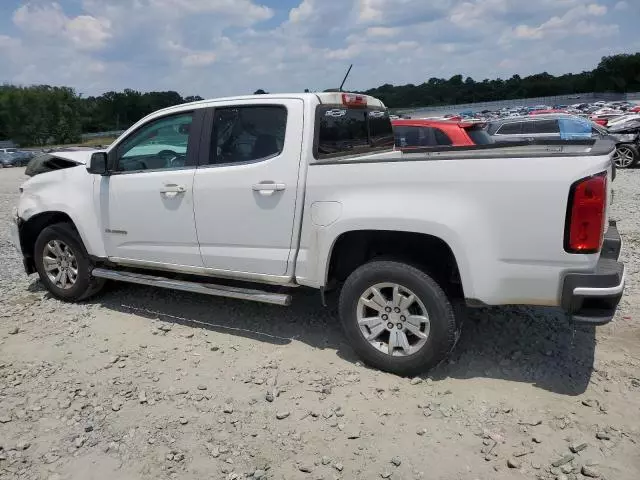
(503, 214)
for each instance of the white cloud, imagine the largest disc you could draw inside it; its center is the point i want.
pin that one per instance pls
(88, 33)
(621, 6)
(221, 47)
(569, 24)
(382, 31)
(199, 59)
(8, 43)
(84, 32)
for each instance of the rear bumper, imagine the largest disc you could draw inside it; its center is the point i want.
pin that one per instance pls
(592, 298)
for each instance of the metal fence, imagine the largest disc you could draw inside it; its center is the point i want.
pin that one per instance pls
(525, 102)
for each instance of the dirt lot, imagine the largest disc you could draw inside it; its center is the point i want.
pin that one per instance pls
(153, 384)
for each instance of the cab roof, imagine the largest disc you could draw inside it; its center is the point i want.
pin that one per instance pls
(323, 98)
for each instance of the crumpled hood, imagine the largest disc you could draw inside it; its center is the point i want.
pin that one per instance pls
(78, 156)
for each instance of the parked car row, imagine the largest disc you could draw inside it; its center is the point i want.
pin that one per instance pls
(12, 157)
(453, 131)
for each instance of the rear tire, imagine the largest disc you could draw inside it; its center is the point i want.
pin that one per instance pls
(626, 156)
(63, 264)
(412, 335)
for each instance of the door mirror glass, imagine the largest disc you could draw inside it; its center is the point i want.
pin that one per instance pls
(98, 164)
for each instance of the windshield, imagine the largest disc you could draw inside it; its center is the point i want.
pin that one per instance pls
(575, 128)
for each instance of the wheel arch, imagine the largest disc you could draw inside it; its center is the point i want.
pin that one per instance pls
(30, 229)
(353, 248)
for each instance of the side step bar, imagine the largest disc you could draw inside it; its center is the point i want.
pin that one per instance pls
(195, 287)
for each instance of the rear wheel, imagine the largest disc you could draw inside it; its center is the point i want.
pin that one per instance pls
(626, 156)
(397, 318)
(64, 265)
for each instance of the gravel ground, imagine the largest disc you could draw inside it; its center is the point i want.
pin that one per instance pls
(152, 384)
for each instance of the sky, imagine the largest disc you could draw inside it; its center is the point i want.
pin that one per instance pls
(228, 47)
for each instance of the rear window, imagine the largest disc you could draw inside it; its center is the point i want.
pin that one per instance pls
(479, 136)
(347, 131)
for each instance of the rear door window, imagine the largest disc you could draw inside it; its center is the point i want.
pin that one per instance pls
(247, 133)
(479, 136)
(410, 136)
(348, 131)
(542, 127)
(442, 139)
(513, 128)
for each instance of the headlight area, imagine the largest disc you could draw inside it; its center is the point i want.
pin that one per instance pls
(625, 137)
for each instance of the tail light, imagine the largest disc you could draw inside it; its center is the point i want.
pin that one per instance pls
(585, 215)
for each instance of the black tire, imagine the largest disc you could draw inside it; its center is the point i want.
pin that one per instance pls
(86, 285)
(630, 148)
(443, 329)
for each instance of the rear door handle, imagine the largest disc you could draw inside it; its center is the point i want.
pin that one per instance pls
(172, 190)
(268, 188)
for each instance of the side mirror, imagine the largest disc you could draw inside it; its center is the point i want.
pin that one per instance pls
(98, 164)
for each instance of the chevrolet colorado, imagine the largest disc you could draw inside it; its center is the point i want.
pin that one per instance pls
(270, 192)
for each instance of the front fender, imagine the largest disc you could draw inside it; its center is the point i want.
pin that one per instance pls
(68, 192)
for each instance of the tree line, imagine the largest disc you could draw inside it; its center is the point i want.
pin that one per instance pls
(42, 114)
(617, 73)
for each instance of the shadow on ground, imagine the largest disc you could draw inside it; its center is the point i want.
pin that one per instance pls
(520, 344)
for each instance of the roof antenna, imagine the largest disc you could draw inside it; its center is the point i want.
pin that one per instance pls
(345, 77)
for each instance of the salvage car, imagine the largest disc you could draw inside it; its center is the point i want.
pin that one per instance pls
(626, 131)
(281, 191)
(426, 132)
(554, 126)
(15, 158)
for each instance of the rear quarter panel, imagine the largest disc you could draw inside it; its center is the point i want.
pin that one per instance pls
(503, 218)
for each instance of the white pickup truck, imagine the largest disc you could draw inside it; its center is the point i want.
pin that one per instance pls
(270, 192)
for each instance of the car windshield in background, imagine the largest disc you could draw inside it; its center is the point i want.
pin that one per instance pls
(575, 128)
(344, 131)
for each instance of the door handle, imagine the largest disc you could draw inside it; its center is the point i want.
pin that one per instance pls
(268, 188)
(172, 190)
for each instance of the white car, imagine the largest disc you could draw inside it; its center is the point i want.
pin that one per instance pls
(279, 191)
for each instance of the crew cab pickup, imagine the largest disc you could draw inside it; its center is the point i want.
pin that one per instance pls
(249, 197)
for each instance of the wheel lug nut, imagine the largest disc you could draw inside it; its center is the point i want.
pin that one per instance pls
(385, 317)
(388, 309)
(403, 318)
(399, 326)
(397, 310)
(389, 325)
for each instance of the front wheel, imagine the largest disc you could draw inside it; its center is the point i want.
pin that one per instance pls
(64, 265)
(626, 156)
(397, 318)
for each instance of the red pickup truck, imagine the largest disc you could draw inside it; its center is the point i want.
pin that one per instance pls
(437, 133)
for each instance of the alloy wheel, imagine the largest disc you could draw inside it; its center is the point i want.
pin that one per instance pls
(60, 264)
(393, 319)
(623, 157)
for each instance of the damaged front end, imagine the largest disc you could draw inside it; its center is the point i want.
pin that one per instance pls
(58, 160)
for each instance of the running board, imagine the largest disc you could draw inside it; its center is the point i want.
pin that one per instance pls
(195, 287)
